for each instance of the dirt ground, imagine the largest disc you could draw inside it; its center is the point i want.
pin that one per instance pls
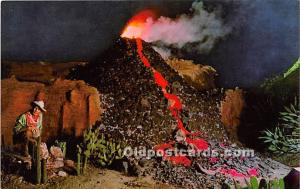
(93, 178)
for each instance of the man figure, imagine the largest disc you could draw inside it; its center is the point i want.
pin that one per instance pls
(29, 125)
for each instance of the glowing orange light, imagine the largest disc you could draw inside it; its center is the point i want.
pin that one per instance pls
(136, 26)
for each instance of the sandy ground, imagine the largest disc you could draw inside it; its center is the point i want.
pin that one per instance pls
(93, 179)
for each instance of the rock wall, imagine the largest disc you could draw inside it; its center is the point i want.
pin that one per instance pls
(72, 106)
(44, 72)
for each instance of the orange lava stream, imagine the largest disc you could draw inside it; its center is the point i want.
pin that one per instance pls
(175, 108)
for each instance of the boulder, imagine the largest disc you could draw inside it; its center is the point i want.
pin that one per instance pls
(56, 152)
(292, 180)
(231, 110)
(55, 164)
(69, 163)
(201, 77)
(62, 174)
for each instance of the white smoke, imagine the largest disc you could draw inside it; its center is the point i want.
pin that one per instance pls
(198, 31)
(165, 53)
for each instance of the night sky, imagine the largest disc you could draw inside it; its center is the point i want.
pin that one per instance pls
(265, 39)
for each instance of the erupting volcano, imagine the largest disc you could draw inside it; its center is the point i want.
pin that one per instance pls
(175, 105)
(146, 103)
(135, 29)
(155, 101)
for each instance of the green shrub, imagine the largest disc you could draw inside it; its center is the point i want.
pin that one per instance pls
(285, 137)
(292, 69)
(283, 86)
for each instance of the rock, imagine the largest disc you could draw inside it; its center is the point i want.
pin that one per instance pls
(16, 179)
(72, 106)
(56, 152)
(231, 110)
(180, 136)
(44, 151)
(125, 166)
(41, 71)
(200, 76)
(292, 180)
(209, 172)
(69, 163)
(62, 174)
(55, 164)
(145, 103)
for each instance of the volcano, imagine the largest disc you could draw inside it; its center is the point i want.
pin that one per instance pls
(136, 110)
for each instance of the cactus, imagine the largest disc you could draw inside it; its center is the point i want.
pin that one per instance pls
(44, 171)
(78, 166)
(38, 161)
(108, 152)
(85, 160)
(254, 183)
(97, 148)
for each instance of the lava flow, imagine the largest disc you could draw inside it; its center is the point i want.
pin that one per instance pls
(175, 108)
(135, 29)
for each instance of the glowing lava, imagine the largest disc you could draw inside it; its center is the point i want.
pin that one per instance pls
(175, 108)
(136, 27)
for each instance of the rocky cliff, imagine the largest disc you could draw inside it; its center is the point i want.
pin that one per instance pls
(72, 106)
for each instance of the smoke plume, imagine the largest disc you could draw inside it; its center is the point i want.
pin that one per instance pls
(197, 31)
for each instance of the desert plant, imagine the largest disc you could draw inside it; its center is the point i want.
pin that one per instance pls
(44, 171)
(283, 86)
(291, 119)
(98, 149)
(262, 184)
(62, 145)
(295, 67)
(108, 152)
(37, 161)
(78, 166)
(285, 137)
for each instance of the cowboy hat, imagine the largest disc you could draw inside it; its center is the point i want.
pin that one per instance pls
(40, 104)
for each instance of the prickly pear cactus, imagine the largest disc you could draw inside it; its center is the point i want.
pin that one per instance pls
(108, 152)
(99, 149)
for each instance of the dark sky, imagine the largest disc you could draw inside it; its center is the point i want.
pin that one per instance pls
(265, 39)
(68, 30)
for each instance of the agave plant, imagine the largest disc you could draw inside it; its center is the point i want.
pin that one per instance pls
(286, 136)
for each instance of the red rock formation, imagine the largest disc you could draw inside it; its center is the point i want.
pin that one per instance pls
(231, 110)
(72, 106)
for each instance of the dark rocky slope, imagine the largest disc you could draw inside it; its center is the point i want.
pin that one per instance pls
(136, 110)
